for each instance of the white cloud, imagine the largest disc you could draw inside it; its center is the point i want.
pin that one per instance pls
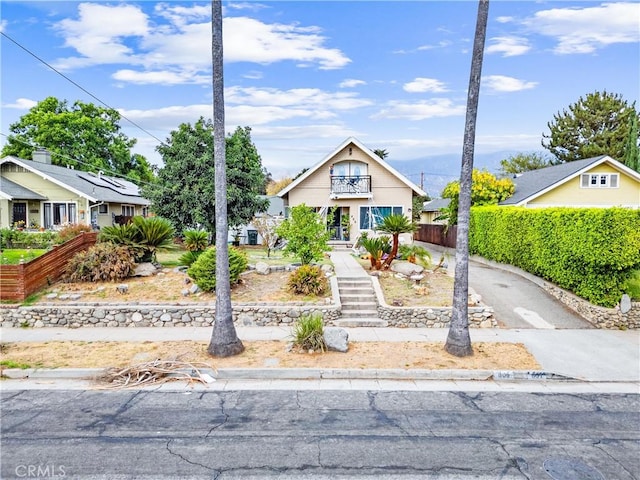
(421, 85)
(502, 83)
(249, 40)
(178, 39)
(21, 104)
(3, 25)
(253, 75)
(584, 30)
(439, 107)
(98, 34)
(351, 83)
(504, 19)
(509, 46)
(295, 97)
(161, 77)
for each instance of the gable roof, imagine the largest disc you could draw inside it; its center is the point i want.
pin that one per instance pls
(532, 184)
(436, 204)
(367, 151)
(13, 191)
(96, 188)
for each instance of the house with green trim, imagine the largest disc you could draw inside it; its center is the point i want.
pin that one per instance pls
(37, 194)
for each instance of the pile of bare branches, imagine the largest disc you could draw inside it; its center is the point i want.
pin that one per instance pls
(153, 373)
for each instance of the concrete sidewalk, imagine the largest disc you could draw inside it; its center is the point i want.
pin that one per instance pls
(583, 355)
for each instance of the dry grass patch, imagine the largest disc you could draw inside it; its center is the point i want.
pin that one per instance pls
(269, 354)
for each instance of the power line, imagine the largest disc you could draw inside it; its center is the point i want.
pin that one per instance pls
(78, 85)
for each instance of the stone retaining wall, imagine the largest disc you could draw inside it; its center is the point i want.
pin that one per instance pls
(600, 317)
(434, 317)
(108, 315)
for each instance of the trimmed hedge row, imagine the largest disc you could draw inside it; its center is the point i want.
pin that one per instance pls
(591, 252)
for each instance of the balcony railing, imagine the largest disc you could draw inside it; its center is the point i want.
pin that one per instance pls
(350, 185)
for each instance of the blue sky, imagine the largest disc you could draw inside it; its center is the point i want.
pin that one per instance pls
(306, 75)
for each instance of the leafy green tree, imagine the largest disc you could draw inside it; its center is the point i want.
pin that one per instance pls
(185, 189)
(395, 225)
(597, 124)
(523, 162)
(416, 206)
(82, 135)
(632, 152)
(306, 234)
(486, 189)
(458, 340)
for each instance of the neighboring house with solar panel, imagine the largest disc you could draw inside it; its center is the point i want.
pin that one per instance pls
(38, 193)
(598, 182)
(354, 188)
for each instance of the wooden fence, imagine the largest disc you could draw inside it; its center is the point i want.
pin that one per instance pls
(433, 233)
(17, 282)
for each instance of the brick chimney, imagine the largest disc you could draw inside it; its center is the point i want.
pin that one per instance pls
(41, 155)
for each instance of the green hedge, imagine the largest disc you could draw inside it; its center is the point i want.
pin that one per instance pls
(589, 251)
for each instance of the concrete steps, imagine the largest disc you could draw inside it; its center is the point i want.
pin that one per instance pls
(359, 303)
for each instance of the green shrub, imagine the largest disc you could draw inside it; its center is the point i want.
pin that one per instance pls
(415, 254)
(188, 257)
(589, 251)
(306, 234)
(72, 231)
(308, 332)
(203, 270)
(308, 280)
(376, 247)
(632, 286)
(102, 262)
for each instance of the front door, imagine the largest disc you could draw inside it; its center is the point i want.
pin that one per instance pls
(20, 214)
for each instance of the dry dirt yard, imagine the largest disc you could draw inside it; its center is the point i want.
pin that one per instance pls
(435, 290)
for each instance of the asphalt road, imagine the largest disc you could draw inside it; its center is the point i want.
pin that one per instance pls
(319, 434)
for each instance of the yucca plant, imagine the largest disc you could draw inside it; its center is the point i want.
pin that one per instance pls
(308, 332)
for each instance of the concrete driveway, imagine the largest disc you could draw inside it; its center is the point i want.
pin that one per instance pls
(517, 301)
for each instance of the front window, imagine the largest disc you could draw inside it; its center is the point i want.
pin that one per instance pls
(59, 213)
(370, 217)
(103, 209)
(128, 210)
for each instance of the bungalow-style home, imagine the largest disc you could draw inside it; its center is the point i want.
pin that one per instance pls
(433, 209)
(592, 182)
(361, 186)
(35, 193)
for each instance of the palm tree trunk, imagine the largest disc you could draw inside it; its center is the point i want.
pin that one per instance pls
(224, 339)
(458, 341)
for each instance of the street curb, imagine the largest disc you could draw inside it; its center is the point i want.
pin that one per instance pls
(307, 374)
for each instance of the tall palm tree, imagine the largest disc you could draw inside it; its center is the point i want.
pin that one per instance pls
(458, 341)
(224, 339)
(381, 152)
(395, 225)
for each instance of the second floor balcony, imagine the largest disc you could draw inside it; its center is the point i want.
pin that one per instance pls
(350, 186)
